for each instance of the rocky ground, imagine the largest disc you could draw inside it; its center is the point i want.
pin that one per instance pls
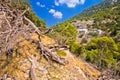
(18, 67)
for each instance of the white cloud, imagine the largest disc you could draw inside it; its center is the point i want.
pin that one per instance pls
(56, 3)
(56, 14)
(52, 11)
(69, 3)
(40, 5)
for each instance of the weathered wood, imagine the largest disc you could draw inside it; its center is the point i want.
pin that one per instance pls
(33, 25)
(34, 66)
(52, 55)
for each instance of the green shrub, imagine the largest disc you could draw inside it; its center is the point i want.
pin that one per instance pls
(61, 53)
(84, 40)
(75, 47)
(102, 51)
(94, 34)
(63, 32)
(81, 35)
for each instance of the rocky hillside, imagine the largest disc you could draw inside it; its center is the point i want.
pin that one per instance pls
(27, 54)
(20, 65)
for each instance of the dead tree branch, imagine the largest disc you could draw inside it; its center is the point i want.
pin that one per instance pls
(15, 27)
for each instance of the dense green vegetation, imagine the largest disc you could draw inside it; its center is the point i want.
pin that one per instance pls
(75, 47)
(64, 33)
(86, 14)
(23, 5)
(102, 51)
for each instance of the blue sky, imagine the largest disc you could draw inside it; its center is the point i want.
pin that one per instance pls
(57, 11)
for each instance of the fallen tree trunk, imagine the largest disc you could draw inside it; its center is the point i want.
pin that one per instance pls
(48, 54)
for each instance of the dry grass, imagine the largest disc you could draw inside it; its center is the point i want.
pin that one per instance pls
(19, 65)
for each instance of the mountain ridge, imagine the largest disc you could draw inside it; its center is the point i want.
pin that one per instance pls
(96, 8)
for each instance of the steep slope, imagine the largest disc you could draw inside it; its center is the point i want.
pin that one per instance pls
(81, 67)
(19, 66)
